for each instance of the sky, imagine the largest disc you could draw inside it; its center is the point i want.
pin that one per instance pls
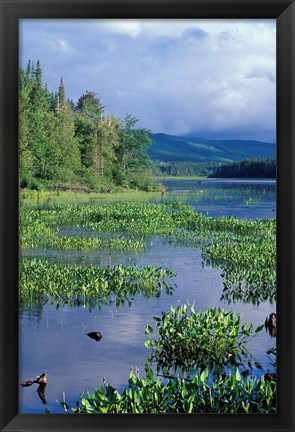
(206, 78)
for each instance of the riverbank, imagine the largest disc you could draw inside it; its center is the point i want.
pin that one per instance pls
(170, 177)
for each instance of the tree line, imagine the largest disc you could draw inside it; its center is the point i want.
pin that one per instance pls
(251, 168)
(185, 169)
(248, 168)
(62, 143)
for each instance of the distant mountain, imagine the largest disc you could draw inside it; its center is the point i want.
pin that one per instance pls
(169, 148)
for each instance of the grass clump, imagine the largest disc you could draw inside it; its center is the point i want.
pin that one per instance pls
(41, 281)
(230, 394)
(187, 339)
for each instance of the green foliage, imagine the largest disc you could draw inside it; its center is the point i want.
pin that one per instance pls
(37, 234)
(245, 250)
(246, 253)
(187, 339)
(246, 168)
(90, 106)
(91, 286)
(185, 169)
(255, 168)
(228, 395)
(62, 143)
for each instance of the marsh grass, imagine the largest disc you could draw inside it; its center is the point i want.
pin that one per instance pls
(245, 250)
(187, 340)
(90, 287)
(38, 199)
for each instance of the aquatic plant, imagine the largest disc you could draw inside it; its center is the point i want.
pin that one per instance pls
(35, 233)
(187, 339)
(228, 394)
(244, 250)
(248, 267)
(91, 286)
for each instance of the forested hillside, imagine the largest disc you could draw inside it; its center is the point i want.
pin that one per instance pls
(64, 145)
(169, 148)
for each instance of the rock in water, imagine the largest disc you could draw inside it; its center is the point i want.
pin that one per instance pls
(95, 335)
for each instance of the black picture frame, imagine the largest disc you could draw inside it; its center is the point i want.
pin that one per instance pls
(284, 12)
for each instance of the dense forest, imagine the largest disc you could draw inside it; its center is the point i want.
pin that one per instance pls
(248, 168)
(186, 169)
(68, 145)
(252, 168)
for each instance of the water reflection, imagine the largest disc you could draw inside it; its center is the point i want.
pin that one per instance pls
(241, 198)
(254, 293)
(245, 199)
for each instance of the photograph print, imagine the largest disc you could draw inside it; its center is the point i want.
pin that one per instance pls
(147, 216)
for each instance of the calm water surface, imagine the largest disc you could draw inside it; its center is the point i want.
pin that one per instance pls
(55, 341)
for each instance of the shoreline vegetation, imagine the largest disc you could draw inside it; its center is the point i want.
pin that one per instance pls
(76, 193)
(65, 143)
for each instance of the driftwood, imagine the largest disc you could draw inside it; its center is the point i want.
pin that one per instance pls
(42, 381)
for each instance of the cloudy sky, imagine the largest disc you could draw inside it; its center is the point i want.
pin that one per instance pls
(207, 78)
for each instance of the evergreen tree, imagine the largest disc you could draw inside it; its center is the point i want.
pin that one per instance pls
(90, 106)
(38, 92)
(26, 158)
(60, 143)
(61, 93)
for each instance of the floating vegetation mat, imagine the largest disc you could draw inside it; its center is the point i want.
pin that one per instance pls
(245, 250)
(41, 281)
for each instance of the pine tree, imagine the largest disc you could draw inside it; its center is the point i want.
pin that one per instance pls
(26, 158)
(61, 93)
(61, 143)
(90, 106)
(38, 93)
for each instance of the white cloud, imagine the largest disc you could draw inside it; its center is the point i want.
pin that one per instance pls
(126, 27)
(177, 76)
(60, 45)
